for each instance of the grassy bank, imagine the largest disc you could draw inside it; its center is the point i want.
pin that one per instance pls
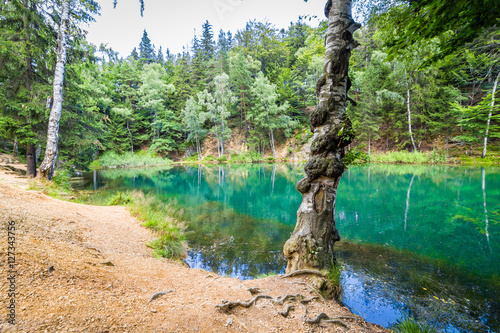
(433, 157)
(110, 160)
(152, 212)
(250, 157)
(158, 216)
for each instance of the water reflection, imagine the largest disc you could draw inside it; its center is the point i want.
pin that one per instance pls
(417, 240)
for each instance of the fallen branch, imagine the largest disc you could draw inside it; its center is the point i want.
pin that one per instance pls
(303, 271)
(324, 317)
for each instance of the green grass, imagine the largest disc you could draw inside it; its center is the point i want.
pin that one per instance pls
(433, 157)
(59, 187)
(129, 160)
(158, 216)
(265, 275)
(333, 277)
(410, 325)
(473, 161)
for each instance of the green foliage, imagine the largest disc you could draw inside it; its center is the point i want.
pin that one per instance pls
(209, 158)
(410, 325)
(142, 159)
(120, 199)
(266, 275)
(438, 156)
(355, 156)
(400, 157)
(157, 215)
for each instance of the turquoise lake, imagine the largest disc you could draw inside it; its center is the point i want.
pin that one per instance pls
(419, 241)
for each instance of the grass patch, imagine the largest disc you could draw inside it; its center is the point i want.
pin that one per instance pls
(266, 275)
(157, 215)
(249, 157)
(59, 187)
(333, 277)
(130, 160)
(401, 157)
(478, 161)
(410, 325)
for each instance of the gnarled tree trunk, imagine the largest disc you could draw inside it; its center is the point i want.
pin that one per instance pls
(49, 161)
(311, 244)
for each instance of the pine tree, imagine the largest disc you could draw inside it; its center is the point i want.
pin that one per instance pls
(207, 44)
(147, 52)
(159, 57)
(134, 55)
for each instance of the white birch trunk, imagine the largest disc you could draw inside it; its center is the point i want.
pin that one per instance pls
(408, 103)
(495, 85)
(51, 152)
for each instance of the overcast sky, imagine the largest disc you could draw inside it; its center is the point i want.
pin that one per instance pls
(171, 23)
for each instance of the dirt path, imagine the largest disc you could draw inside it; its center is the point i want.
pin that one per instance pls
(87, 269)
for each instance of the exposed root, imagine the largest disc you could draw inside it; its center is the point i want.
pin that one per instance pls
(287, 311)
(299, 297)
(254, 291)
(325, 318)
(156, 295)
(303, 271)
(310, 287)
(226, 305)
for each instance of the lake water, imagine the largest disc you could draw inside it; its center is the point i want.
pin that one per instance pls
(419, 241)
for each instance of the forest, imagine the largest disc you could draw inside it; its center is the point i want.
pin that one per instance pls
(257, 84)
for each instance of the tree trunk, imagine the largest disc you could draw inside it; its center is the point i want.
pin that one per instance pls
(51, 152)
(131, 138)
(495, 85)
(4, 145)
(15, 149)
(408, 83)
(311, 244)
(271, 135)
(30, 161)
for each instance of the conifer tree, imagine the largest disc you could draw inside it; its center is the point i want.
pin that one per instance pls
(147, 52)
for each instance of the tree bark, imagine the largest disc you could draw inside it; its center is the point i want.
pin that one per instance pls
(495, 85)
(15, 149)
(311, 244)
(408, 100)
(51, 151)
(31, 160)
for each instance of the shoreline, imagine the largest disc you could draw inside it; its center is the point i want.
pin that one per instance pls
(87, 268)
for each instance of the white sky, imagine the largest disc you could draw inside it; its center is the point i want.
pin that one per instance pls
(171, 23)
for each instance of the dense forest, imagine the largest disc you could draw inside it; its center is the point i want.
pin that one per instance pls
(257, 85)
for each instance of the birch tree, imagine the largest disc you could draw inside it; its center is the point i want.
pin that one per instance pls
(490, 114)
(49, 160)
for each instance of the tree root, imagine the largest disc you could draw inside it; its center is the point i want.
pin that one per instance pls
(156, 295)
(324, 317)
(303, 271)
(310, 287)
(287, 311)
(226, 305)
(254, 291)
